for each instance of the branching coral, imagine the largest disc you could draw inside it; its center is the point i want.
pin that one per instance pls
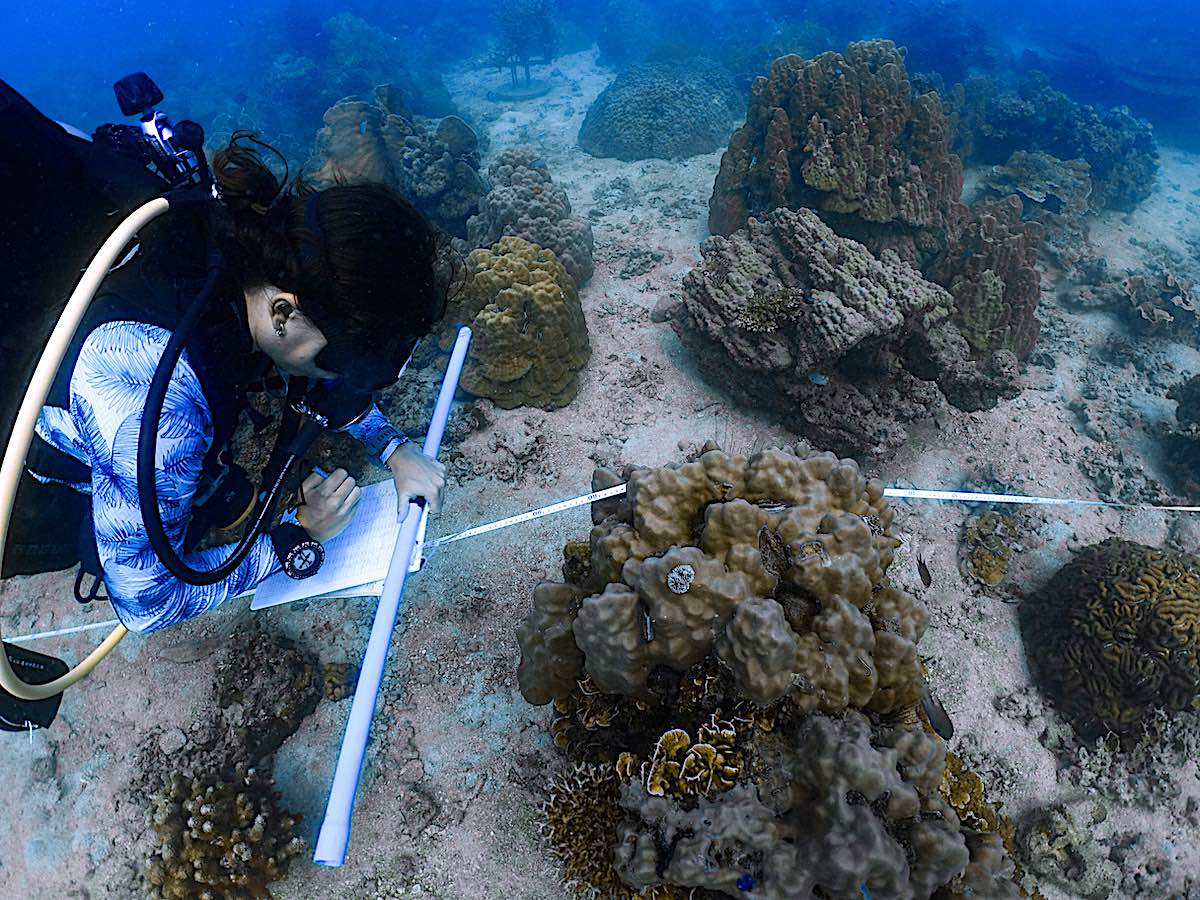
(525, 202)
(1115, 634)
(221, 837)
(435, 168)
(527, 33)
(530, 338)
(668, 110)
(843, 134)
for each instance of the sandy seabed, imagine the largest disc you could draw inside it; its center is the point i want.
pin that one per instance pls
(459, 763)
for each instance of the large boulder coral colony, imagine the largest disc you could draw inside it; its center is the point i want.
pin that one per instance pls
(530, 337)
(525, 202)
(737, 680)
(848, 346)
(666, 110)
(1115, 634)
(844, 135)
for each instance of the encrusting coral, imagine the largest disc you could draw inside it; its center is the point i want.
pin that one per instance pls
(530, 338)
(525, 202)
(988, 541)
(1115, 634)
(379, 140)
(276, 684)
(843, 134)
(667, 110)
(734, 667)
(220, 836)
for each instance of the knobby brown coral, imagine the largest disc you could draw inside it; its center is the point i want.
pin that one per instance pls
(525, 202)
(767, 561)
(842, 133)
(991, 269)
(725, 606)
(530, 338)
(221, 836)
(1054, 193)
(1116, 634)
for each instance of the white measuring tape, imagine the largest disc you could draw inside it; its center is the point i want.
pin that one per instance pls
(618, 489)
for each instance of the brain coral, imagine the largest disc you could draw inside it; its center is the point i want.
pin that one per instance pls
(530, 338)
(221, 837)
(711, 666)
(843, 134)
(815, 324)
(436, 169)
(525, 202)
(1115, 634)
(668, 110)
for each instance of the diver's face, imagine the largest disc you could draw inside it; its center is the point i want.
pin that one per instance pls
(280, 330)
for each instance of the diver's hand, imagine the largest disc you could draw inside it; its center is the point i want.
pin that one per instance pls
(416, 475)
(328, 504)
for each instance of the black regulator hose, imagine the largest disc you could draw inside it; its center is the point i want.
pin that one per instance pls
(267, 499)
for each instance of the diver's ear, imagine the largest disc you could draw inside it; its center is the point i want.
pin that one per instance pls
(283, 305)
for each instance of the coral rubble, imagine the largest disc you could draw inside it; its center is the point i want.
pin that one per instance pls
(843, 134)
(221, 836)
(379, 140)
(525, 202)
(1115, 634)
(733, 666)
(530, 337)
(668, 110)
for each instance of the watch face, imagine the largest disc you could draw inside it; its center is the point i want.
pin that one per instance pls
(305, 559)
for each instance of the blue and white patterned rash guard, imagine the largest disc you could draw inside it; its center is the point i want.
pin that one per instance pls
(108, 392)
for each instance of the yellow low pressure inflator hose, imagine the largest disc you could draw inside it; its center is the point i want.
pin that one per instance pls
(31, 407)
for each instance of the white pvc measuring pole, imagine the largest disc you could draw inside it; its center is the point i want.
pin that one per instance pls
(334, 836)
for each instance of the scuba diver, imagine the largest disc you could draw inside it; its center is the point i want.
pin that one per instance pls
(324, 293)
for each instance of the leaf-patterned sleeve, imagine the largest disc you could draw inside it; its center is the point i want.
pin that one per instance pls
(377, 434)
(108, 393)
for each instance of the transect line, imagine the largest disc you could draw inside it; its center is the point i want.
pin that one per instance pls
(618, 489)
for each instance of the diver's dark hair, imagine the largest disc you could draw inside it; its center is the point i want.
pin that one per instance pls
(367, 266)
